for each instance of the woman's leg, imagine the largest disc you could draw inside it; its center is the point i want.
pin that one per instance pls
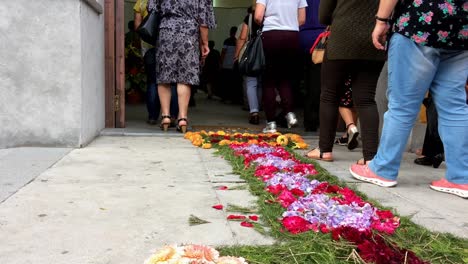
(183, 95)
(252, 94)
(333, 76)
(364, 83)
(348, 114)
(164, 91)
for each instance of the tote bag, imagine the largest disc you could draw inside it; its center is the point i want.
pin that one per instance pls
(252, 62)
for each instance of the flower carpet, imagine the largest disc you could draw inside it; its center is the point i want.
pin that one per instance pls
(299, 203)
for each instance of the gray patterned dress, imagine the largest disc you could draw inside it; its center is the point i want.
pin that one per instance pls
(178, 47)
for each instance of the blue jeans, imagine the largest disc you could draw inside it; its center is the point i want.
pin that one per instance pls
(152, 101)
(412, 71)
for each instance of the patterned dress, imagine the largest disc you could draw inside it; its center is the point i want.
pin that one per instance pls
(178, 46)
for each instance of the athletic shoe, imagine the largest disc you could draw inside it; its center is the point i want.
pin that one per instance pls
(363, 173)
(443, 185)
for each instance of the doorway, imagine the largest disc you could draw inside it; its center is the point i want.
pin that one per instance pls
(206, 114)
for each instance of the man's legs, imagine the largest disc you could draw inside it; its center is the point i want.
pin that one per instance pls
(411, 69)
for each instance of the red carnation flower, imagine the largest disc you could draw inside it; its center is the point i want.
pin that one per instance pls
(247, 224)
(253, 218)
(286, 198)
(218, 207)
(296, 224)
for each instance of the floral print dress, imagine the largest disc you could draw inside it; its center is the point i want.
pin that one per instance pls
(178, 46)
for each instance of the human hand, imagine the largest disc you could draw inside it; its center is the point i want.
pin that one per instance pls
(379, 35)
(204, 50)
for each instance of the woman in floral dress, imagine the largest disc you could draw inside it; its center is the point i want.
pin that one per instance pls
(181, 45)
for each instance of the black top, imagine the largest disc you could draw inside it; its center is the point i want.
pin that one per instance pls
(437, 23)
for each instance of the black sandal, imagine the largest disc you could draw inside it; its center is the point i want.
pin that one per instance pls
(165, 125)
(182, 128)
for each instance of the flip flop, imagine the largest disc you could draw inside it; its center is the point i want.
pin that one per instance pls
(319, 157)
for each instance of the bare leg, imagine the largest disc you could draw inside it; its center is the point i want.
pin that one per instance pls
(183, 94)
(164, 91)
(349, 116)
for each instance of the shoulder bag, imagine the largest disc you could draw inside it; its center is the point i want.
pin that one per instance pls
(252, 63)
(148, 30)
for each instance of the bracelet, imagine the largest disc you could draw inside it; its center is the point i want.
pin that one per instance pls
(382, 19)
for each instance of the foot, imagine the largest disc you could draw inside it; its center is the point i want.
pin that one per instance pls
(316, 154)
(182, 125)
(362, 161)
(151, 121)
(445, 186)
(363, 173)
(425, 161)
(270, 127)
(342, 141)
(254, 118)
(291, 119)
(353, 134)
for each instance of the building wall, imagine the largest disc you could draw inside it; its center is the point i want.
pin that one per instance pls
(93, 76)
(42, 76)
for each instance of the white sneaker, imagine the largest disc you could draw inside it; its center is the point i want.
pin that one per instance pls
(291, 119)
(270, 127)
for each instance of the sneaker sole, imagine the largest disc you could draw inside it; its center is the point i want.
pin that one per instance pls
(353, 142)
(457, 192)
(372, 180)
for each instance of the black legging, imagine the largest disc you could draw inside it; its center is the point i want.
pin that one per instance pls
(364, 76)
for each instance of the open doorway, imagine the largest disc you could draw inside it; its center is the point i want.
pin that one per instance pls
(127, 90)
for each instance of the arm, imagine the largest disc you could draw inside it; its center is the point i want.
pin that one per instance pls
(138, 18)
(326, 9)
(301, 16)
(259, 13)
(204, 49)
(379, 35)
(241, 40)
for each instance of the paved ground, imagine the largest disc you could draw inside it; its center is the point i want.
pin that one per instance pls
(119, 198)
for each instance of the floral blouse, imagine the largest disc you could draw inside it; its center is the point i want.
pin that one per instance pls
(434, 23)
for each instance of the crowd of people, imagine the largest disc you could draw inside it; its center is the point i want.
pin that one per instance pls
(401, 48)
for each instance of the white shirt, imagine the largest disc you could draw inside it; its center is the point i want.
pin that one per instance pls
(281, 14)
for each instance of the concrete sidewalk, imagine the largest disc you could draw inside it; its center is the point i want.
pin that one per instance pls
(120, 197)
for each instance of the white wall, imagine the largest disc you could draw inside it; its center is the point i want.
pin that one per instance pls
(43, 72)
(39, 72)
(92, 72)
(226, 18)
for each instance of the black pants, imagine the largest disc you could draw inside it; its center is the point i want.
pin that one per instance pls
(364, 75)
(432, 142)
(312, 94)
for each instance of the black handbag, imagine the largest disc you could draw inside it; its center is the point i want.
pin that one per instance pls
(148, 30)
(252, 63)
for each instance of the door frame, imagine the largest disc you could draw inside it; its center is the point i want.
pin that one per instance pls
(114, 63)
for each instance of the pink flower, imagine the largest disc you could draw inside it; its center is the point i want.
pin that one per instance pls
(276, 189)
(247, 224)
(296, 224)
(201, 252)
(286, 198)
(236, 217)
(218, 207)
(253, 218)
(231, 260)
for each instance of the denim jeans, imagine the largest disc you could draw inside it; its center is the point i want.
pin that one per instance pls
(254, 92)
(152, 101)
(412, 71)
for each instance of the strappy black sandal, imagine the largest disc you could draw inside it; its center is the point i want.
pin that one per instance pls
(182, 128)
(165, 125)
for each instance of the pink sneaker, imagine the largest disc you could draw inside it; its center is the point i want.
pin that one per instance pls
(363, 173)
(443, 185)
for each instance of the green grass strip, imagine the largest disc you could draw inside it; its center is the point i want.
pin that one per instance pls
(311, 247)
